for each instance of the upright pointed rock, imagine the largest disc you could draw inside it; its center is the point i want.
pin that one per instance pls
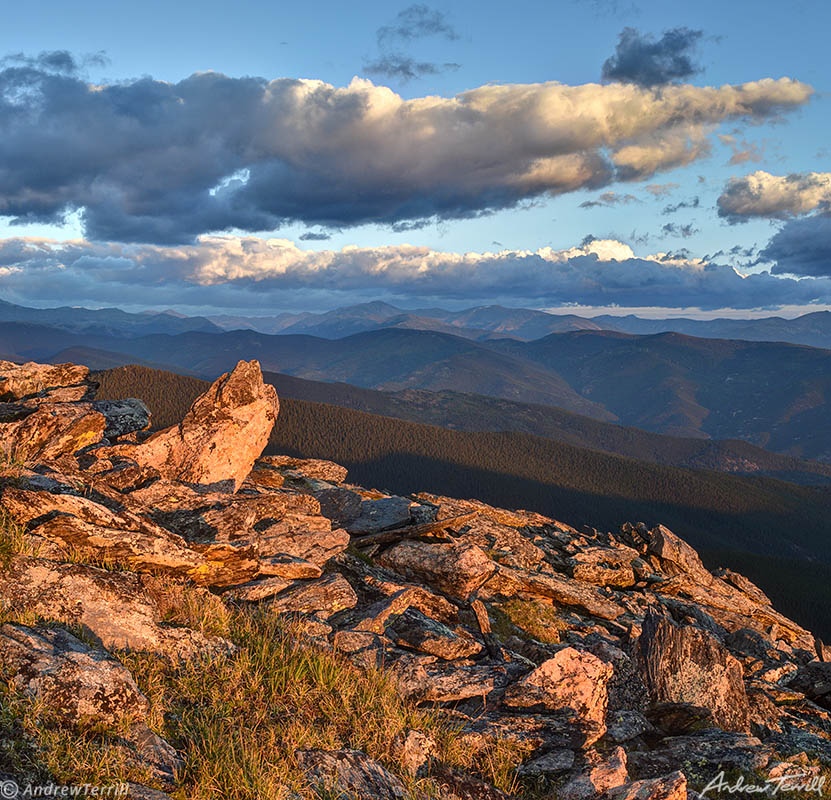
(221, 436)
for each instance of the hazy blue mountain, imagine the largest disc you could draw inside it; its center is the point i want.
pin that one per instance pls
(105, 321)
(812, 329)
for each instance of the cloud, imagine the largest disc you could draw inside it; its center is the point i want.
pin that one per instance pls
(659, 190)
(397, 65)
(609, 199)
(684, 231)
(801, 247)
(417, 21)
(240, 272)
(640, 59)
(311, 236)
(761, 194)
(149, 161)
(674, 208)
(743, 151)
(58, 61)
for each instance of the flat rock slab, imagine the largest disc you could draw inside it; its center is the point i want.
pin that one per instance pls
(349, 773)
(378, 515)
(315, 468)
(564, 590)
(323, 597)
(53, 430)
(18, 381)
(114, 606)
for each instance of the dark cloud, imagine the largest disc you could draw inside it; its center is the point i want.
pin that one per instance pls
(310, 236)
(640, 59)
(609, 199)
(237, 273)
(57, 61)
(149, 161)
(417, 21)
(801, 247)
(684, 231)
(397, 65)
(673, 208)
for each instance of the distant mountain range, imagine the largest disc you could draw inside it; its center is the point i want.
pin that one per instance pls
(481, 323)
(772, 395)
(489, 322)
(105, 321)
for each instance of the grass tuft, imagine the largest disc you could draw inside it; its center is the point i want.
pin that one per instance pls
(528, 619)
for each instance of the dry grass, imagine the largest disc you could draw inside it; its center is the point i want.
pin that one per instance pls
(13, 539)
(238, 719)
(529, 619)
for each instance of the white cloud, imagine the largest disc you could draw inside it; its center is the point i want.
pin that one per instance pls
(761, 194)
(158, 162)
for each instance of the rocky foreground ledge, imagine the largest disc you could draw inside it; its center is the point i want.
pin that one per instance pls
(616, 664)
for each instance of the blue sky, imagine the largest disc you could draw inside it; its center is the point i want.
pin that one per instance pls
(671, 209)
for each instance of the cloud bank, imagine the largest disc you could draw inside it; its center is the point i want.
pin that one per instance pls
(761, 194)
(155, 162)
(244, 272)
(801, 247)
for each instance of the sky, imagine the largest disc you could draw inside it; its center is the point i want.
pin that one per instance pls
(580, 155)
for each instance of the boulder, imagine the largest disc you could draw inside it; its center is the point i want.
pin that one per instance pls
(624, 725)
(675, 555)
(453, 568)
(114, 606)
(683, 664)
(19, 381)
(414, 750)
(573, 681)
(604, 566)
(73, 680)
(349, 774)
(597, 774)
(123, 416)
(221, 436)
(814, 681)
(453, 784)
(51, 431)
(668, 787)
(415, 630)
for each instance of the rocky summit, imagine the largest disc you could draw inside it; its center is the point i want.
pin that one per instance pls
(189, 617)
